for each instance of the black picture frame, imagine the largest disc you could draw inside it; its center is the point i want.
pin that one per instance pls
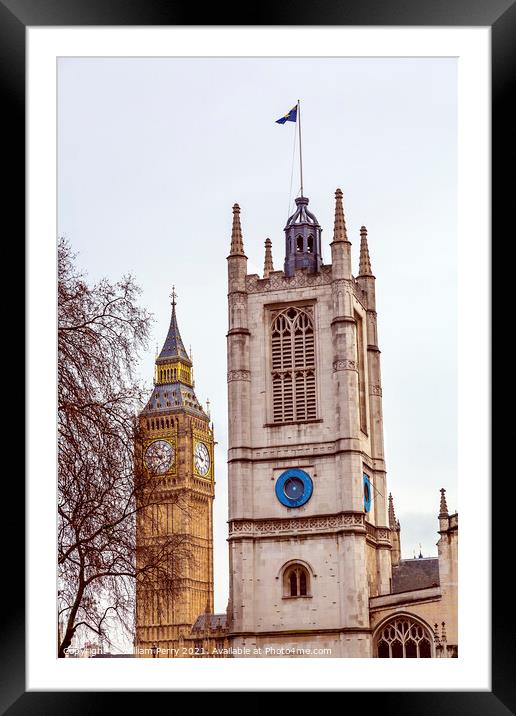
(15, 17)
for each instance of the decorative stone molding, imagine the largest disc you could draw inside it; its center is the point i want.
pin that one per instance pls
(238, 299)
(239, 375)
(344, 365)
(281, 452)
(341, 285)
(377, 534)
(328, 523)
(376, 390)
(277, 281)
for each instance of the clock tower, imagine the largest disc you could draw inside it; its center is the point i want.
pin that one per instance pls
(176, 452)
(309, 537)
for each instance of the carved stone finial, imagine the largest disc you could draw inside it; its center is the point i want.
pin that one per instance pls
(268, 265)
(339, 227)
(237, 244)
(443, 507)
(392, 515)
(364, 268)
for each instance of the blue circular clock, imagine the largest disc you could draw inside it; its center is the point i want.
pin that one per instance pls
(294, 487)
(367, 493)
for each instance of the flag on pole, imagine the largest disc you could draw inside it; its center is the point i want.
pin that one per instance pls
(289, 117)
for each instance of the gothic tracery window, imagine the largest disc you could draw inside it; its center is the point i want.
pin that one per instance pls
(293, 366)
(403, 638)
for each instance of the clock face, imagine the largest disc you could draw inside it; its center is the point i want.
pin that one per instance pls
(367, 493)
(294, 487)
(201, 459)
(159, 456)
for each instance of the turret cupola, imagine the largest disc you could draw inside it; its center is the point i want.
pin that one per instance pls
(302, 240)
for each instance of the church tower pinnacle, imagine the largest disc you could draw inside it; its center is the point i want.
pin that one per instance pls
(339, 227)
(340, 246)
(237, 244)
(364, 268)
(268, 265)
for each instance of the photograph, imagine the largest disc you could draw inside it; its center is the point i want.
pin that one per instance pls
(257, 389)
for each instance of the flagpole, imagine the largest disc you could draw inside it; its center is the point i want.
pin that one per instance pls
(300, 149)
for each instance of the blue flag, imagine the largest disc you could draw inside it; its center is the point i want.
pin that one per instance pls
(289, 117)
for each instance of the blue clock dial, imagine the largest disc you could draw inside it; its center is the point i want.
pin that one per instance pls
(367, 493)
(294, 487)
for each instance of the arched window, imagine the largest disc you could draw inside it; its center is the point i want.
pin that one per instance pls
(310, 244)
(299, 243)
(293, 366)
(292, 581)
(302, 583)
(296, 581)
(403, 638)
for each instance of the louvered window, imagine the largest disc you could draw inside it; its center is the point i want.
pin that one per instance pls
(293, 366)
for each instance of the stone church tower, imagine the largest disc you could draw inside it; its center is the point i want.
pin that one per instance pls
(309, 534)
(177, 452)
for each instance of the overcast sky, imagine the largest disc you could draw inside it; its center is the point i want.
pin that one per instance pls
(152, 154)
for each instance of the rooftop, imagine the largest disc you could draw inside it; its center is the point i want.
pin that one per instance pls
(413, 574)
(213, 622)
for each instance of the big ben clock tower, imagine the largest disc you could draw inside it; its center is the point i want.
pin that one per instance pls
(176, 452)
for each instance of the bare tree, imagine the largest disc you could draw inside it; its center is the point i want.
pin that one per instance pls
(102, 489)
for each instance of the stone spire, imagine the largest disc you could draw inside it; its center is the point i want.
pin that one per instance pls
(173, 348)
(443, 507)
(268, 265)
(339, 227)
(364, 268)
(174, 388)
(392, 515)
(237, 244)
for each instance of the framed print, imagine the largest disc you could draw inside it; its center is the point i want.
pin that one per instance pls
(284, 482)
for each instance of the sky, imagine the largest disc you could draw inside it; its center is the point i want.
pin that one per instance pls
(153, 153)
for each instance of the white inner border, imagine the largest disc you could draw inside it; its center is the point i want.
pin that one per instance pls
(472, 669)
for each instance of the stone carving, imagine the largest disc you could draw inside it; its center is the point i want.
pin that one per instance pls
(239, 375)
(278, 281)
(376, 390)
(281, 452)
(297, 524)
(341, 285)
(376, 533)
(344, 365)
(237, 300)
